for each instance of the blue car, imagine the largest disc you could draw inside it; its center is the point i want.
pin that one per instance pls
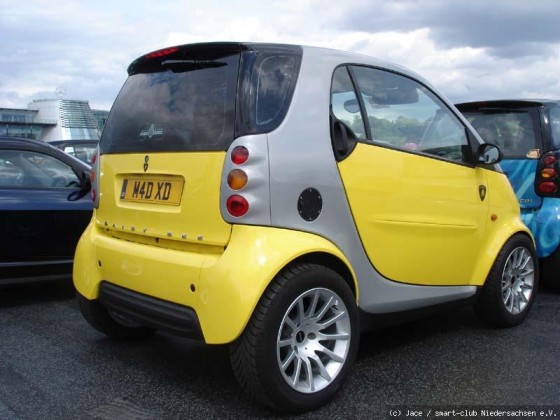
(528, 134)
(45, 206)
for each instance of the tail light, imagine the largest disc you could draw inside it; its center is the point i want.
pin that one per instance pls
(162, 53)
(546, 178)
(237, 205)
(94, 178)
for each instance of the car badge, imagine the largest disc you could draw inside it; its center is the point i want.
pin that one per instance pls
(151, 131)
(146, 159)
(482, 192)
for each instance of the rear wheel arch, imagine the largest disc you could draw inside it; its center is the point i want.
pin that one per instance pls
(330, 261)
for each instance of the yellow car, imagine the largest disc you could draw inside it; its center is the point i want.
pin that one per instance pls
(285, 198)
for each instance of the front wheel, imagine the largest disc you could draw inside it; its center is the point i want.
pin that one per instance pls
(509, 291)
(301, 340)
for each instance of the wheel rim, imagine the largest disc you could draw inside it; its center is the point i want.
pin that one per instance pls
(313, 340)
(518, 280)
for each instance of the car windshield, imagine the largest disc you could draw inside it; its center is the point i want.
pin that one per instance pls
(514, 132)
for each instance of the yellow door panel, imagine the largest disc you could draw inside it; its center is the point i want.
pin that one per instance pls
(421, 220)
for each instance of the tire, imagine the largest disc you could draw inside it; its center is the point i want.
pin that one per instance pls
(100, 319)
(551, 271)
(510, 289)
(287, 330)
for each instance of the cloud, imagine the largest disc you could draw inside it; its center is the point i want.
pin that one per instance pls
(467, 48)
(505, 28)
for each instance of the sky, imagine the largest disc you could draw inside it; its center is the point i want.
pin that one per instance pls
(468, 49)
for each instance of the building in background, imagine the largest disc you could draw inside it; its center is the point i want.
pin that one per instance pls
(53, 119)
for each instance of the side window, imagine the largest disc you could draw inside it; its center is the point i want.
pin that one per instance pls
(273, 82)
(404, 114)
(344, 103)
(24, 169)
(555, 127)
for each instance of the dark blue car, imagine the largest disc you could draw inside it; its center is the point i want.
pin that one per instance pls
(45, 206)
(528, 134)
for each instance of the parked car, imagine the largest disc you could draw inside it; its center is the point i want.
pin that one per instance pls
(81, 149)
(528, 134)
(283, 199)
(44, 208)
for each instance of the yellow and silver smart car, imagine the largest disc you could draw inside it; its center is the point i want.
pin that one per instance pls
(282, 199)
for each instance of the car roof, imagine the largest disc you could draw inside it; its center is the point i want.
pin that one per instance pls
(18, 143)
(506, 103)
(8, 142)
(315, 52)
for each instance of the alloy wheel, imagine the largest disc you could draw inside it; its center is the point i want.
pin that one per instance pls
(518, 280)
(313, 340)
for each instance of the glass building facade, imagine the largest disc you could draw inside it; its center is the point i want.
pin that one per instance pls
(53, 119)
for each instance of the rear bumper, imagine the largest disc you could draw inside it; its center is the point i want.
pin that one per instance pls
(220, 289)
(151, 312)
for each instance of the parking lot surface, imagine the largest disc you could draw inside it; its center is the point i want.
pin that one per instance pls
(55, 366)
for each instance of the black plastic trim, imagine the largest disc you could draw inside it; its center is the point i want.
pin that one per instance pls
(150, 311)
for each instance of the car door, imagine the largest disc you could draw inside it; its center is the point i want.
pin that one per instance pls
(417, 199)
(39, 221)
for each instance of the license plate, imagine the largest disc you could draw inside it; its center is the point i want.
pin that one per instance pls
(156, 190)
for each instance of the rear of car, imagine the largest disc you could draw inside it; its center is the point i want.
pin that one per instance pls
(528, 134)
(158, 182)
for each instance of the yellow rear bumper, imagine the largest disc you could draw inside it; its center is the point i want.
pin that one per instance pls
(222, 288)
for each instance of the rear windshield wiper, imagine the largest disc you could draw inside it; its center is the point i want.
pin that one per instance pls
(179, 66)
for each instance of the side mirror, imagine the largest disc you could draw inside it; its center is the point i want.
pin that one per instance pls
(85, 187)
(488, 154)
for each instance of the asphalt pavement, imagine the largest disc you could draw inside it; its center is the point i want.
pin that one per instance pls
(53, 365)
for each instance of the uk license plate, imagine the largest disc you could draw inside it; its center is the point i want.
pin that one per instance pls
(155, 190)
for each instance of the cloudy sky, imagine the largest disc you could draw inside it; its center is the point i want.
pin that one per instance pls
(469, 49)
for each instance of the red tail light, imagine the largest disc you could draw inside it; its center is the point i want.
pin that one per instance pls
(546, 179)
(239, 155)
(237, 205)
(162, 53)
(549, 160)
(547, 187)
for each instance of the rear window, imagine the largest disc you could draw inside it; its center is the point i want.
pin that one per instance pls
(515, 132)
(186, 106)
(200, 97)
